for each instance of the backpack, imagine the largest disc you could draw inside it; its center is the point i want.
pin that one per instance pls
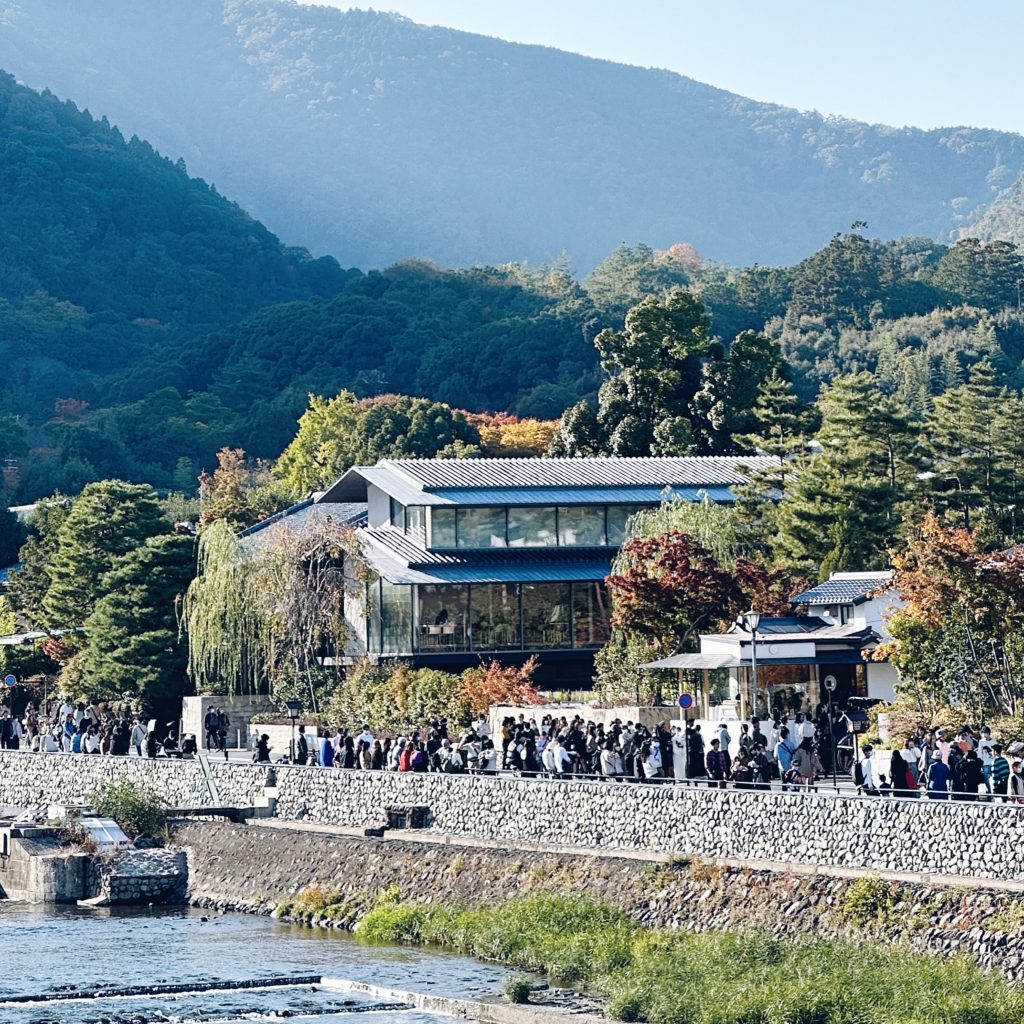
(858, 774)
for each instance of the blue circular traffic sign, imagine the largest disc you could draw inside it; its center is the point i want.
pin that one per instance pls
(10, 680)
(685, 701)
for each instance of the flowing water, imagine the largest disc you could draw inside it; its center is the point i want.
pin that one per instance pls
(65, 950)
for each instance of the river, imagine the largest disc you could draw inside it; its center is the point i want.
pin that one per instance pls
(46, 949)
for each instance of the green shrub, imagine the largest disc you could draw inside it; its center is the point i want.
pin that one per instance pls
(138, 811)
(517, 989)
(871, 898)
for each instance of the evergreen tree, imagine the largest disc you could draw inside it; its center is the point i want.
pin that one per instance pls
(976, 451)
(655, 367)
(843, 510)
(132, 633)
(108, 520)
(579, 434)
(782, 425)
(28, 586)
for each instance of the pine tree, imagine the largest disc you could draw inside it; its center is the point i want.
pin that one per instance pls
(108, 520)
(27, 586)
(975, 449)
(782, 426)
(843, 510)
(132, 634)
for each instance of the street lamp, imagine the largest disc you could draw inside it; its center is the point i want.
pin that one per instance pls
(294, 708)
(751, 620)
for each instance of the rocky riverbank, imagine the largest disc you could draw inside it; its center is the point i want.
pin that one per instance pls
(255, 870)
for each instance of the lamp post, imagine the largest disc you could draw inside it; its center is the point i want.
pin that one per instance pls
(751, 620)
(294, 708)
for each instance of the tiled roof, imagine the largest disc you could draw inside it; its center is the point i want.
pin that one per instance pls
(400, 560)
(306, 514)
(852, 588)
(690, 471)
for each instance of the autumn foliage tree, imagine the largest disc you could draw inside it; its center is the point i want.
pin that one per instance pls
(672, 585)
(488, 685)
(958, 635)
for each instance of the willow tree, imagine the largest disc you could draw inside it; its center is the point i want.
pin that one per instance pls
(263, 614)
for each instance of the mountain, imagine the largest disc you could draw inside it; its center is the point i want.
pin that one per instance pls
(109, 253)
(1002, 219)
(373, 138)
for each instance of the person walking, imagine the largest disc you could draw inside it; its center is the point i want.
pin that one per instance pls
(806, 763)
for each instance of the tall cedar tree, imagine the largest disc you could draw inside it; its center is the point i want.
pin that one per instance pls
(108, 520)
(843, 510)
(133, 637)
(976, 452)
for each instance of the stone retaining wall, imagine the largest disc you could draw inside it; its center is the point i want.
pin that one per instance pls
(976, 840)
(257, 869)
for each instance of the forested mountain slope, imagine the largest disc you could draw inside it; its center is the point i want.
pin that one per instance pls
(109, 252)
(373, 138)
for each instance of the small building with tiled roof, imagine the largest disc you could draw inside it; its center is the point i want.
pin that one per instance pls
(476, 559)
(838, 624)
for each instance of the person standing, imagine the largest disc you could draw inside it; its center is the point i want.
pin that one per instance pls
(985, 744)
(716, 766)
(138, 736)
(302, 747)
(1000, 771)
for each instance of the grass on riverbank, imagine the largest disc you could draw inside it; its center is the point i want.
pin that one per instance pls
(713, 978)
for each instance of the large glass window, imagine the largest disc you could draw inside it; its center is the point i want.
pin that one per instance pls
(395, 617)
(495, 612)
(581, 525)
(397, 515)
(617, 517)
(546, 615)
(590, 614)
(416, 522)
(531, 527)
(373, 617)
(442, 617)
(442, 527)
(481, 527)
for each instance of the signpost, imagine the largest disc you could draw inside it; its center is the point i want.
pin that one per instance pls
(830, 682)
(686, 702)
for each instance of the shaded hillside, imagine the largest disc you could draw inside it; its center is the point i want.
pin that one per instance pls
(1004, 218)
(374, 138)
(110, 251)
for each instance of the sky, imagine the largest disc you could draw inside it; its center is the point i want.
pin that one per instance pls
(926, 63)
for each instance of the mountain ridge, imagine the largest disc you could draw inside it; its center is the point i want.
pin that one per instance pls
(369, 136)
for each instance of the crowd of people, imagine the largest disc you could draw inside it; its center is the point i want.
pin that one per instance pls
(794, 753)
(945, 765)
(558, 747)
(89, 728)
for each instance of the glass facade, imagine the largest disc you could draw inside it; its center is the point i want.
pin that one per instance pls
(524, 526)
(442, 617)
(495, 616)
(442, 527)
(531, 527)
(591, 614)
(395, 617)
(453, 618)
(581, 526)
(480, 527)
(616, 517)
(416, 523)
(546, 615)
(397, 515)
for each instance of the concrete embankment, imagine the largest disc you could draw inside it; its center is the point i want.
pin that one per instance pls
(254, 869)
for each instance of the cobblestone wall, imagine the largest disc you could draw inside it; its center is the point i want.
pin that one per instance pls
(968, 839)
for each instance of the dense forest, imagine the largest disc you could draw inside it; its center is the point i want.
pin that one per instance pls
(365, 135)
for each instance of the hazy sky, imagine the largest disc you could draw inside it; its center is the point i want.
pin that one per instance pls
(919, 62)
